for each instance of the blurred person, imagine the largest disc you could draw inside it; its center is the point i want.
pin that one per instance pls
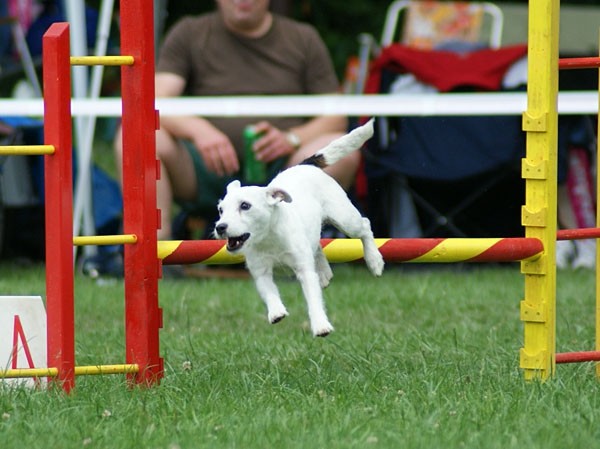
(241, 48)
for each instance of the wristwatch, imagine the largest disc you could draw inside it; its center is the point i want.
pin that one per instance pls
(293, 139)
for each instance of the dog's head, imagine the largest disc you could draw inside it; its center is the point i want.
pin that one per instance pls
(246, 214)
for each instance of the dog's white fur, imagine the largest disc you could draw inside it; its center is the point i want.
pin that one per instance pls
(280, 224)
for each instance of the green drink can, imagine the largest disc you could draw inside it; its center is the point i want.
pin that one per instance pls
(255, 171)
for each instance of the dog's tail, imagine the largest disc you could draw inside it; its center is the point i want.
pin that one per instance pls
(341, 147)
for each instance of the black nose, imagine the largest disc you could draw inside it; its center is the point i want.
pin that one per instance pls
(221, 228)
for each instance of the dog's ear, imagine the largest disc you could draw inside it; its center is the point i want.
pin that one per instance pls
(233, 185)
(276, 195)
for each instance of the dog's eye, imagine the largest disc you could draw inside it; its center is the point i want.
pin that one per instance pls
(245, 206)
(220, 209)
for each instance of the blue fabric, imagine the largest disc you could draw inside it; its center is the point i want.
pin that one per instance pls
(442, 148)
(5, 36)
(448, 148)
(106, 192)
(106, 196)
(54, 11)
(452, 148)
(21, 122)
(107, 200)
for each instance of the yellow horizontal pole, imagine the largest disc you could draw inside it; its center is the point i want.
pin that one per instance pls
(26, 150)
(106, 369)
(28, 372)
(102, 60)
(104, 239)
(79, 371)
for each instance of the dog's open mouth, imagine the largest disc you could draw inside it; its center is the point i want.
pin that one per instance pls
(235, 243)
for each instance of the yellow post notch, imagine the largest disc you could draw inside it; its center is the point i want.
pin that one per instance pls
(532, 170)
(537, 123)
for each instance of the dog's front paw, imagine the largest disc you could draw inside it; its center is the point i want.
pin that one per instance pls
(276, 317)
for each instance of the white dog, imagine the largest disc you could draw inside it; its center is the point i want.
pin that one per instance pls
(280, 224)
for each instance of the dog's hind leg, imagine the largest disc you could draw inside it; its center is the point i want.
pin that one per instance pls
(263, 279)
(350, 222)
(319, 323)
(323, 268)
(373, 257)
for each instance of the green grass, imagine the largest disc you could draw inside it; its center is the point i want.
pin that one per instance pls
(421, 358)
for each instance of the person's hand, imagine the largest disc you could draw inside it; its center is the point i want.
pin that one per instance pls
(273, 143)
(217, 151)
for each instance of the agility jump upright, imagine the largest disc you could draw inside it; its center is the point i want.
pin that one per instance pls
(539, 170)
(538, 356)
(143, 317)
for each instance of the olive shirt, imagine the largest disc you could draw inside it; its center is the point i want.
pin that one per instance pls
(290, 59)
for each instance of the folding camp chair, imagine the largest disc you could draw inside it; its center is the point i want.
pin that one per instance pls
(428, 23)
(457, 170)
(453, 174)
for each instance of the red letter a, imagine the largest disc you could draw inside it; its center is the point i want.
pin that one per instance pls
(18, 334)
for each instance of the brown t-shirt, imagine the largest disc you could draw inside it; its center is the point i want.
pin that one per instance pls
(291, 59)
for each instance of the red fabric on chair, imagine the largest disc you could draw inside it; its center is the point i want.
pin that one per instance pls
(446, 70)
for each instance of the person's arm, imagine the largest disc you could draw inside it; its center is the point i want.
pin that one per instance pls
(318, 77)
(277, 143)
(319, 126)
(214, 146)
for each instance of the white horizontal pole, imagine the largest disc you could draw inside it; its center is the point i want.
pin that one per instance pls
(572, 102)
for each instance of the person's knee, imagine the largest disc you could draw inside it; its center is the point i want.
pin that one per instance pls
(118, 152)
(165, 143)
(166, 146)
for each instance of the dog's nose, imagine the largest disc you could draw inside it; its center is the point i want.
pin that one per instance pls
(221, 228)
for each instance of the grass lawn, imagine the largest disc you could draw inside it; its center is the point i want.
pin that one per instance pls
(421, 358)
